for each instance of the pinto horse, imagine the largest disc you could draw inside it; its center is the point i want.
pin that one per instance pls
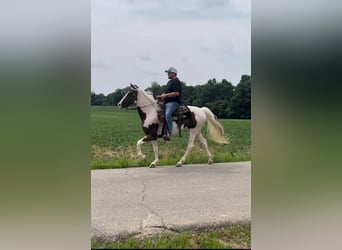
(148, 109)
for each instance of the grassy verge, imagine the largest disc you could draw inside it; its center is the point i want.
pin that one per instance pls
(229, 237)
(115, 133)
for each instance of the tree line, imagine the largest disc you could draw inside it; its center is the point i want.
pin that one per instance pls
(224, 99)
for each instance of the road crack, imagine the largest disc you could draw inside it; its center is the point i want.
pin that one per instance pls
(154, 220)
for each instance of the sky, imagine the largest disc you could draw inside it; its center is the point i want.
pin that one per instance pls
(135, 41)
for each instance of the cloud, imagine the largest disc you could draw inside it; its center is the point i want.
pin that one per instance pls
(203, 39)
(100, 65)
(215, 3)
(145, 58)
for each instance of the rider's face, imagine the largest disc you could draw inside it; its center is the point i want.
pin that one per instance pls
(170, 75)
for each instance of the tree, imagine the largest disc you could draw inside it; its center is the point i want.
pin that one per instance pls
(219, 108)
(92, 98)
(156, 89)
(241, 100)
(225, 100)
(188, 94)
(116, 96)
(98, 100)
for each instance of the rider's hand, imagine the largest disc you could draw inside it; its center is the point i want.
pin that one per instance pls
(162, 96)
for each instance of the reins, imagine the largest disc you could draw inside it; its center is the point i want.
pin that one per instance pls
(142, 106)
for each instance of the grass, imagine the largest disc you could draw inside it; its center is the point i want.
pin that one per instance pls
(228, 237)
(116, 132)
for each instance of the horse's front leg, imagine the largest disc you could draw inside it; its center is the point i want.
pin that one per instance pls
(156, 156)
(153, 138)
(140, 153)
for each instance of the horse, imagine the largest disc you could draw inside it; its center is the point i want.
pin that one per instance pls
(148, 109)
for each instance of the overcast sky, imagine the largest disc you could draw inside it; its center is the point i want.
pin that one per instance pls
(136, 40)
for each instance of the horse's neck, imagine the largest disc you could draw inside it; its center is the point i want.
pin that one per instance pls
(145, 100)
(147, 107)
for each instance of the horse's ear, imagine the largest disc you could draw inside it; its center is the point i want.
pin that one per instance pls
(134, 88)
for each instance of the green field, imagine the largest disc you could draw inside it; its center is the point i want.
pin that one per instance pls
(114, 135)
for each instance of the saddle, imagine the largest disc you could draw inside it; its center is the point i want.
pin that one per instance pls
(182, 116)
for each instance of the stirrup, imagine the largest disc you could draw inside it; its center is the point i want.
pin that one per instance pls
(166, 136)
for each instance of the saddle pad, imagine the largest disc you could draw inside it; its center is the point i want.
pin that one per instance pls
(182, 110)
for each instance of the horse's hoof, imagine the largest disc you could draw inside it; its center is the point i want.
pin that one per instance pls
(179, 165)
(210, 162)
(152, 165)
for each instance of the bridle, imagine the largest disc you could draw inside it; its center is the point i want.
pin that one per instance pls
(130, 97)
(146, 105)
(134, 94)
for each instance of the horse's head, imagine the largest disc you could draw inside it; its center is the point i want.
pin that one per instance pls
(130, 97)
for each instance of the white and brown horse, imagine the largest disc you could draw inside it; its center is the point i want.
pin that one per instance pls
(148, 111)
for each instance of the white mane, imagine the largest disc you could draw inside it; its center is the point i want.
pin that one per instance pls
(145, 98)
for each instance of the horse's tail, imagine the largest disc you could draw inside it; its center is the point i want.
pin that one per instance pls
(215, 129)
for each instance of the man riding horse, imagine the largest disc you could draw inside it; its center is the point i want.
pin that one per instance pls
(172, 99)
(191, 117)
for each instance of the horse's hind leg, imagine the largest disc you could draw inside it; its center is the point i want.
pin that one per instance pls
(188, 149)
(156, 156)
(204, 143)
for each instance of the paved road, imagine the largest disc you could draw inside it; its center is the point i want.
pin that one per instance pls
(144, 201)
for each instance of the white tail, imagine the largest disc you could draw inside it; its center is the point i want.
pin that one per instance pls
(215, 129)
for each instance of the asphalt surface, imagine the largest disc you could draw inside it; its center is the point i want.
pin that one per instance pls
(146, 201)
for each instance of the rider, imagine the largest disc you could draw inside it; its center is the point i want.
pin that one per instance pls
(172, 99)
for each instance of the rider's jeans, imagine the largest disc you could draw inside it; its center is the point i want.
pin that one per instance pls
(170, 108)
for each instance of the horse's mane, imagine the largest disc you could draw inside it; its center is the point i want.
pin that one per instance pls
(148, 96)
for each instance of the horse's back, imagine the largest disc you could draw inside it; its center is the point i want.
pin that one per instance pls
(196, 110)
(199, 114)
